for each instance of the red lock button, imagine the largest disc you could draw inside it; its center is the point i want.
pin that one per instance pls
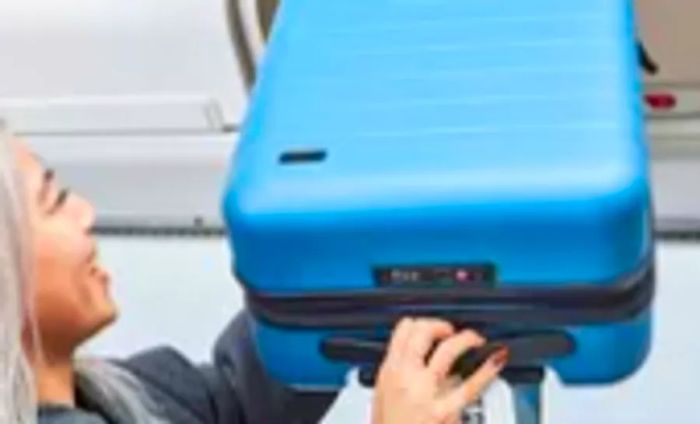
(661, 101)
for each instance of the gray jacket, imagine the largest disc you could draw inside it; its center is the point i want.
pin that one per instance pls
(232, 390)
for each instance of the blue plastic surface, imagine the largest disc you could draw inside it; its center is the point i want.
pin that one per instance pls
(499, 131)
(605, 354)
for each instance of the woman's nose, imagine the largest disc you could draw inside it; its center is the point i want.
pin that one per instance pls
(83, 212)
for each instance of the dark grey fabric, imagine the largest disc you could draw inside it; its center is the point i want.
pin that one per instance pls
(234, 389)
(64, 415)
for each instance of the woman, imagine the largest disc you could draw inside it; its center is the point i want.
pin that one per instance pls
(54, 295)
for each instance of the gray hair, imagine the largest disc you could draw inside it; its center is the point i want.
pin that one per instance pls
(17, 393)
(118, 391)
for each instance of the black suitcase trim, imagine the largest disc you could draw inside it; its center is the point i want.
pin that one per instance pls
(577, 304)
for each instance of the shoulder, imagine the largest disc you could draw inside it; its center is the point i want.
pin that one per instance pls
(64, 415)
(174, 382)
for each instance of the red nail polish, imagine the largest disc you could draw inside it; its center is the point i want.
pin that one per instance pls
(500, 358)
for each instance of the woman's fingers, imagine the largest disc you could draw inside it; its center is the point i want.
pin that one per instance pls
(409, 387)
(450, 349)
(424, 334)
(471, 389)
(399, 339)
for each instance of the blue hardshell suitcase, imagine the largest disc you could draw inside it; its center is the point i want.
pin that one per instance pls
(482, 161)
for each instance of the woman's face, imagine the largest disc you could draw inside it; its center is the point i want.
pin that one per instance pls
(71, 290)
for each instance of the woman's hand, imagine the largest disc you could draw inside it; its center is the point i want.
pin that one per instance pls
(414, 389)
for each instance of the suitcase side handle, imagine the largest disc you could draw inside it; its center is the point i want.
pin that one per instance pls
(526, 350)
